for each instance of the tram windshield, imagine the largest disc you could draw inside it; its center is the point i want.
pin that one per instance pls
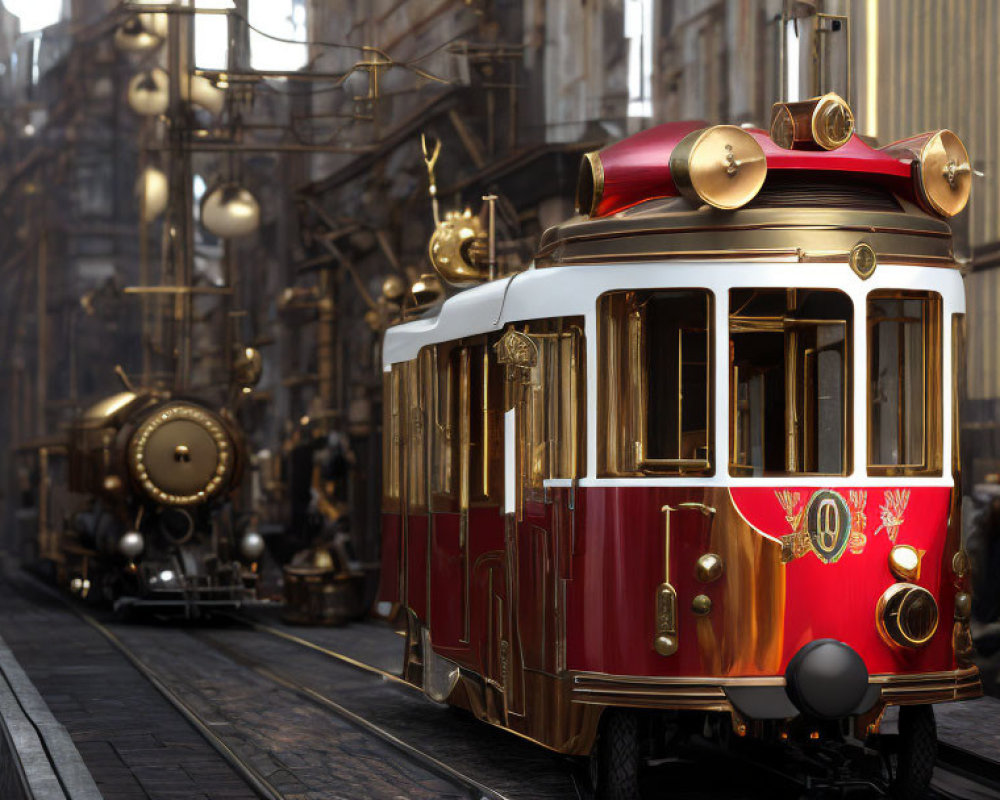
(789, 351)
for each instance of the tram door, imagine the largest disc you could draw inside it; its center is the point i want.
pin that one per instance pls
(466, 487)
(542, 424)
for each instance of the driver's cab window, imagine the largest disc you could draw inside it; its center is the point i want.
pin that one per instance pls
(789, 366)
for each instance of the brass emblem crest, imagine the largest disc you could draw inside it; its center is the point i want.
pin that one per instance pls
(825, 525)
(517, 351)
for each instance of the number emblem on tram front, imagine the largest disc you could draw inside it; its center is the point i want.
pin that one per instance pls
(828, 523)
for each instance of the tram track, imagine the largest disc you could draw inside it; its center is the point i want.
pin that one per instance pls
(957, 768)
(262, 785)
(466, 786)
(476, 789)
(429, 747)
(258, 782)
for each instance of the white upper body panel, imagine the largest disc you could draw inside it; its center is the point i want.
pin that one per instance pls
(573, 291)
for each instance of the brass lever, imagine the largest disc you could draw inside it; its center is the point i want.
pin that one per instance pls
(665, 641)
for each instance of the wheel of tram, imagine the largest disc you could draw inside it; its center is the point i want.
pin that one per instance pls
(916, 754)
(615, 763)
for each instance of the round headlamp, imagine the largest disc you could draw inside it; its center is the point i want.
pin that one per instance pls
(131, 544)
(904, 562)
(252, 545)
(907, 615)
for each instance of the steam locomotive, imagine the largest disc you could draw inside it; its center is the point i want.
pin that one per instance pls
(695, 470)
(151, 518)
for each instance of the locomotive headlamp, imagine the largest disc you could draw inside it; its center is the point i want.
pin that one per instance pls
(252, 545)
(722, 166)
(907, 615)
(131, 544)
(904, 562)
(818, 123)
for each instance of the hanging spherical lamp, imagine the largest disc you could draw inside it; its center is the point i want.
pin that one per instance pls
(229, 210)
(149, 92)
(153, 190)
(141, 33)
(202, 92)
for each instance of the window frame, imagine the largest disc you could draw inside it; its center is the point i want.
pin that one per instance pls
(621, 352)
(933, 426)
(782, 325)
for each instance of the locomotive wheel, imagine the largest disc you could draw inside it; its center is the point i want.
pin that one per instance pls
(917, 752)
(614, 766)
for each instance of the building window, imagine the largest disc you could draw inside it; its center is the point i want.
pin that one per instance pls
(904, 379)
(639, 33)
(284, 19)
(656, 395)
(789, 353)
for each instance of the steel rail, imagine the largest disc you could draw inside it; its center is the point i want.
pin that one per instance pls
(477, 790)
(258, 782)
(954, 760)
(301, 642)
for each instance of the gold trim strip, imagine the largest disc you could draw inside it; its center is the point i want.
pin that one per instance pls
(585, 680)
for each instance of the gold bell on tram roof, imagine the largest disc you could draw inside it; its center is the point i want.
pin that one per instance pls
(942, 173)
(723, 166)
(820, 123)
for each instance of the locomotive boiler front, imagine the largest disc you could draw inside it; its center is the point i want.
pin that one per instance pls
(181, 455)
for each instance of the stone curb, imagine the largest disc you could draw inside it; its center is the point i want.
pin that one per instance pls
(38, 759)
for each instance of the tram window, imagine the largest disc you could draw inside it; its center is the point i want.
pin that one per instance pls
(448, 367)
(391, 439)
(789, 353)
(656, 398)
(467, 437)
(485, 424)
(958, 388)
(547, 391)
(417, 377)
(904, 379)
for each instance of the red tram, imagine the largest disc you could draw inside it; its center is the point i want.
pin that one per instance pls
(696, 467)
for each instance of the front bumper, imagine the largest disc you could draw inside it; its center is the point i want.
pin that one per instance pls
(718, 694)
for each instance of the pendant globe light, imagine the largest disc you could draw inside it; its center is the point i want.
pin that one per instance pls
(149, 92)
(141, 33)
(202, 92)
(153, 191)
(230, 210)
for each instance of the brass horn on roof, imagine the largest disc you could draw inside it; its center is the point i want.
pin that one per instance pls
(942, 173)
(820, 123)
(723, 166)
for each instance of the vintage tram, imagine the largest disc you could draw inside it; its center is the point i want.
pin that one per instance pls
(696, 468)
(149, 518)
